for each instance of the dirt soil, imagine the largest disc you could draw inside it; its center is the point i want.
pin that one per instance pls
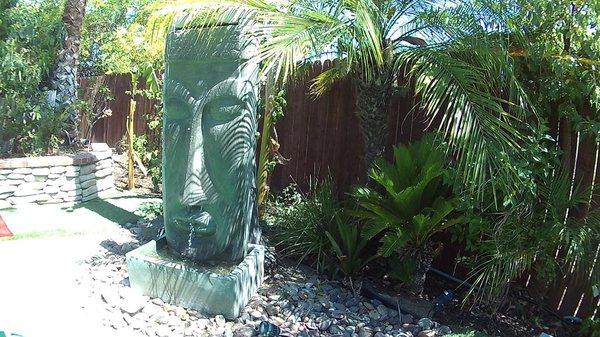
(62, 151)
(143, 184)
(517, 318)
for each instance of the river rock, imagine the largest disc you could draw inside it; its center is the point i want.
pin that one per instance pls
(425, 323)
(245, 331)
(87, 169)
(427, 333)
(374, 315)
(7, 188)
(16, 176)
(443, 330)
(57, 169)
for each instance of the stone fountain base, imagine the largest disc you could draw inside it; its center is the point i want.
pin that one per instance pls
(213, 290)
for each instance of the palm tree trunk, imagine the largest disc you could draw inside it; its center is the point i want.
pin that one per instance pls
(424, 258)
(372, 104)
(64, 80)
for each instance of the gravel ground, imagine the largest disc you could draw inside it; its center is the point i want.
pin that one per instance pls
(293, 298)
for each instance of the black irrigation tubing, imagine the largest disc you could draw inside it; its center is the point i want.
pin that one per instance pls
(471, 286)
(392, 302)
(455, 279)
(369, 291)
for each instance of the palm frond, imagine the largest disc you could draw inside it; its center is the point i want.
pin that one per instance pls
(457, 83)
(289, 32)
(323, 82)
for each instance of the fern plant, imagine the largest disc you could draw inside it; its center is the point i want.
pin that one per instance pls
(408, 202)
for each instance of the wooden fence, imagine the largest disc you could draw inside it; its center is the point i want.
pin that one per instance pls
(320, 137)
(112, 130)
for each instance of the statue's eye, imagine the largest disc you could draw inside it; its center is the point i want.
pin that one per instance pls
(179, 102)
(177, 109)
(224, 108)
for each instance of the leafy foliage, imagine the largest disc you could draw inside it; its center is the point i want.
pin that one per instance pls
(411, 200)
(590, 328)
(465, 332)
(543, 230)
(149, 145)
(115, 38)
(527, 236)
(349, 245)
(556, 53)
(150, 154)
(408, 202)
(268, 153)
(31, 32)
(464, 75)
(542, 227)
(316, 227)
(297, 222)
(94, 104)
(150, 210)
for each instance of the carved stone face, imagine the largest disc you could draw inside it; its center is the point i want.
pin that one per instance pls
(209, 144)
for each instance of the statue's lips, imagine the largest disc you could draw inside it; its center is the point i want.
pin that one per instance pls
(199, 225)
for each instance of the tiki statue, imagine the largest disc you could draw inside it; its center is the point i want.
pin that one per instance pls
(209, 142)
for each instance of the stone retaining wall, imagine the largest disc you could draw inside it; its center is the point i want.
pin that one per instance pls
(57, 179)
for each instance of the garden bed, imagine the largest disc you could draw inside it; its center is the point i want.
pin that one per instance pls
(293, 297)
(57, 179)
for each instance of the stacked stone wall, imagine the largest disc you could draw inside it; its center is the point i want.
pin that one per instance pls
(57, 179)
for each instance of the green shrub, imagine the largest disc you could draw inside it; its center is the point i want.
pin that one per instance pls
(466, 332)
(149, 146)
(525, 238)
(150, 210)
(29, 125)
(295, 222)
(29, 40)
(150, 155)
(349, 245)
(407, 203)
(590, 328)
(316, 227)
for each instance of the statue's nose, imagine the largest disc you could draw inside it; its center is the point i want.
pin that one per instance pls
(198, 188)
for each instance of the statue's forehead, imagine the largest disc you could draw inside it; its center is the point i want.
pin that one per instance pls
(213, 44)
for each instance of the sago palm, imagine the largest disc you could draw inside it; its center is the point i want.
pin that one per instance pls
(462, 75)
(407, 203)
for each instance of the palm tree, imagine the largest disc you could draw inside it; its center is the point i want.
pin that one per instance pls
(64, 80)
(462, 75)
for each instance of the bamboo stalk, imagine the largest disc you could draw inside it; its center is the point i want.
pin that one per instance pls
(263, 174)
(131, 154)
